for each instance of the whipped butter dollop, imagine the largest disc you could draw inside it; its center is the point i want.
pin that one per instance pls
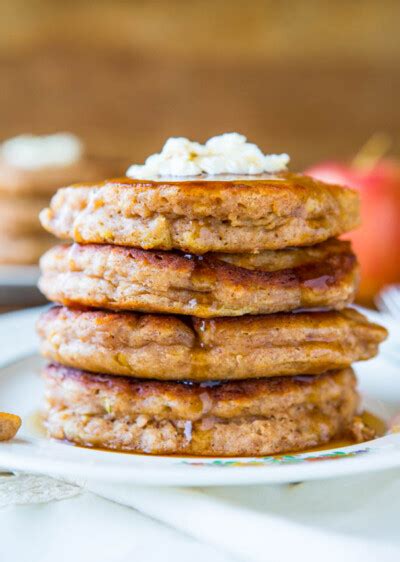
(229, 153)
(32, 152)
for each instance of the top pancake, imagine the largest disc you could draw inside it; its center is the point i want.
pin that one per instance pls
(246, 215)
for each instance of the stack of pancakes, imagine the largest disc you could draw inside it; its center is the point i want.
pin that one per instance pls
(203, 317)
(23, 193)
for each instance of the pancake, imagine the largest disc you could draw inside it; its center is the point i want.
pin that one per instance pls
(258, 417)
(245, 215)
(23, 249)
(173, 348)
(120, 278)
(20, 215)
(44, 181)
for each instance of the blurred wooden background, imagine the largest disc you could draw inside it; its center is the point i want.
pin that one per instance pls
(314, 78)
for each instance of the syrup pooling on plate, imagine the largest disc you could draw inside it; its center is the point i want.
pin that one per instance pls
(373, 422)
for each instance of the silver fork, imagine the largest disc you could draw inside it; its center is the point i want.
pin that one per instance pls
(388, 302)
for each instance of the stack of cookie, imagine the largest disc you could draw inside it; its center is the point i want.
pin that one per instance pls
(203, 317)
(31, 170)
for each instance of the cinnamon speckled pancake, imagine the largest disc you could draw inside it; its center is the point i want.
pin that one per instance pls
(257, 417)
(122, 278)
(167, 347)
(196, 216)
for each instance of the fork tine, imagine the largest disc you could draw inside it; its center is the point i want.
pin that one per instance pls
(388, 300)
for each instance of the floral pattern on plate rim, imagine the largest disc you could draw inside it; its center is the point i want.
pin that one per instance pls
(279, 459)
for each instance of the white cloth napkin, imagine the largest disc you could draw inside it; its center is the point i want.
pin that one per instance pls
(83, 527)
(344, 519)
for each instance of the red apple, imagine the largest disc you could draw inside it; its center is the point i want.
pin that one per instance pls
(377, 241)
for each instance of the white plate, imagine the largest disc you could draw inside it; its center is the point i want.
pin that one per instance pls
(20, 392)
